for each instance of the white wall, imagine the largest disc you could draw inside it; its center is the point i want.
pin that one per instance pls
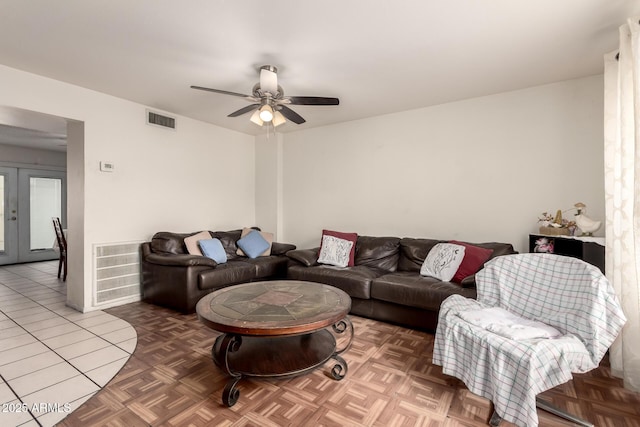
(269, 183)
(477, 170)
(199, 177)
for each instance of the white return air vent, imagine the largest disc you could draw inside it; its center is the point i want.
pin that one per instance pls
(162, 120)
(116, 273)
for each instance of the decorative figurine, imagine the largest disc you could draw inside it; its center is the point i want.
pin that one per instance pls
(587, 225)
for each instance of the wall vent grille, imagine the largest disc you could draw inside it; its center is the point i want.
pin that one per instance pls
(116, 273)
(162, 120)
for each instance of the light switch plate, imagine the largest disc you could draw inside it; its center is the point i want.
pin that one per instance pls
(106, 166)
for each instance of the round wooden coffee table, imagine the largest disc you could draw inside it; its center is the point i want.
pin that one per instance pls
(276, 329)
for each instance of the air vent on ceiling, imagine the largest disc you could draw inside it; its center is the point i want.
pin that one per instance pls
(161, 120)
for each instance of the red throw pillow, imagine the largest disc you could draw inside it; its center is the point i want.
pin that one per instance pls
(474, 259)
(352, 237)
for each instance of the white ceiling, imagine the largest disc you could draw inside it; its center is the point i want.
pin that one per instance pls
(377, 56)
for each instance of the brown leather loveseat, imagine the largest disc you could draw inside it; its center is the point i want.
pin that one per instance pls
(171, 277)
(385, 282)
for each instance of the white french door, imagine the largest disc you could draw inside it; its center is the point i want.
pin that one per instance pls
(31, 198)
(9, 216)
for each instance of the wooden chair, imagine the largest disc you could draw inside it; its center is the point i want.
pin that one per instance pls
(62, 245)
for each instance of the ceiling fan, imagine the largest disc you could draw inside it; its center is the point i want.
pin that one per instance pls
(269, 102)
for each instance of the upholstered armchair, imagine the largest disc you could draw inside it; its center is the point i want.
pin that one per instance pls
(537, 319)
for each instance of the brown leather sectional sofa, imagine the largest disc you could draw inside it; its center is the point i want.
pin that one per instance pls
(385, 282)
(173, 278)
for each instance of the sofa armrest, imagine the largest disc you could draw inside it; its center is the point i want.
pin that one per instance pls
(469, 281)
(306, 257)
(180, 260)
(281, 248)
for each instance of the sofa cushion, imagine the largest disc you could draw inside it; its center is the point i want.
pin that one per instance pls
(378, 252)
(355, 281)
(268, 266)
(442, 261)
(352, 237)
(282, 248)
(410, 289)
(306, 257)
(468, 281)
(413, 253)
(228, 239)
(231, 273)
(165, 242)
(499, 249)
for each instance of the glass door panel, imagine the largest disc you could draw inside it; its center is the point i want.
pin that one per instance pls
(45, 202)
(9, 215)
(2, 185)
(42, 195)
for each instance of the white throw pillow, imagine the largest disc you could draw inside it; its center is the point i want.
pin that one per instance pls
(335, 251)
(443, 261)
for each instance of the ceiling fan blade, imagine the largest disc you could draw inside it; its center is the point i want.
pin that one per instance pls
(244, 110)
(313, 100)
(225, 92)
(291, 115)
(268, 80)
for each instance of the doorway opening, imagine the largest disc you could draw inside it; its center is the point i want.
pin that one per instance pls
(33, 183)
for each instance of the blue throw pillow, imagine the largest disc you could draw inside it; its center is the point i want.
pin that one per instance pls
(253, 244)
(212, 248)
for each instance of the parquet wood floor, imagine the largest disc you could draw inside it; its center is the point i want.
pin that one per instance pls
(171, 381)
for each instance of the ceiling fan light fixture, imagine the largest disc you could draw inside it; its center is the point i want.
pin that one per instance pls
(266, 113)
(255, 118)
(278, 119)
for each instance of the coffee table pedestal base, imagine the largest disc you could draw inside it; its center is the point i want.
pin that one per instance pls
(278, 356)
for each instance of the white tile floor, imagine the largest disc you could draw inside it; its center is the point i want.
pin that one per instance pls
(52, 357)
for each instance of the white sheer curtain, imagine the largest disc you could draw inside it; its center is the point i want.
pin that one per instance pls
(622, 195)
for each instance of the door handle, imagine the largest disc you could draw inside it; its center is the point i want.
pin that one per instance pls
(13, 218)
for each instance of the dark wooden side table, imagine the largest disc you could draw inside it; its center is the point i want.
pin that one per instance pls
(276, 329)
(588, 249)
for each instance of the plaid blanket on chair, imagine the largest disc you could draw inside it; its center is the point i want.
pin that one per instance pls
(565, 293)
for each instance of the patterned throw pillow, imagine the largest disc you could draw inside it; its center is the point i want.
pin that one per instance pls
(352, 237)
(335, 251)
(443, 261)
